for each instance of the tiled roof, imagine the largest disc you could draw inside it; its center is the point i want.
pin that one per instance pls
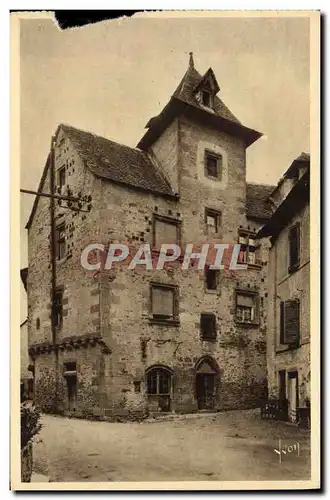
(185, 92)
(116, 162)
(184, 101)
(296, 199)
(257, 204)
(302, 159)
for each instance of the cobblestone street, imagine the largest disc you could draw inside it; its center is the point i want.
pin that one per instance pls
(231, 446)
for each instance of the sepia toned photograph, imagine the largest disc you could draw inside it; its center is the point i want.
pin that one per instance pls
(167, 337)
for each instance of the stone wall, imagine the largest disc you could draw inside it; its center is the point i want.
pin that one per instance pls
(116, 305)
(284, 286)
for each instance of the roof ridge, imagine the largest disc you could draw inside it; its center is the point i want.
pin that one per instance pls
(101, 137)
(260, 184)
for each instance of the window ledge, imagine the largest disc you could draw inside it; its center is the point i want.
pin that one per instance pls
(166, 322)
(212, 178)
(289, 348)
(212, 292)
(60, 261)
(254, 266)
(203, 339)
(294, 268)
(246, 324)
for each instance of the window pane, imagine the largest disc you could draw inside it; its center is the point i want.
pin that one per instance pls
(165, 233)
(211, 279)
(162, 301)
(164, 382)
(242, 256)
(212, 166)
(251, 258)
(208, 326)
(152, 382)
(211, 220)
(206, 98)
(245, 300)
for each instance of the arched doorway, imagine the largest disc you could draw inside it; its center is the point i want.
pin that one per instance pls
(159, 388)
(206, 383)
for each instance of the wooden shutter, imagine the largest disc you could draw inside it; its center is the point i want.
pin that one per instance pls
(165, 233)
(162, 301)
(282, 341)
(291, 318)
(245, 300)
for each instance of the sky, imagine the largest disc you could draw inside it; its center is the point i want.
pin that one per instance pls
(111, 77)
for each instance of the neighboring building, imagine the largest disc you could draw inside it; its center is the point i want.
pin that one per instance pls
(26, 362)
(288, 336)
(128, 342)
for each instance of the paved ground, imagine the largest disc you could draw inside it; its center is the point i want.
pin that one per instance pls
(233, 445)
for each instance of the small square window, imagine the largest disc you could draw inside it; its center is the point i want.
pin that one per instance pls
(208, 328)
(211, 279)
(212, 220)
(247, 307)
(213, 165)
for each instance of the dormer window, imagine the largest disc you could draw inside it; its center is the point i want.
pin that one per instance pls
(206, 98)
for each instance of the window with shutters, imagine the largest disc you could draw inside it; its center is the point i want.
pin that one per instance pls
(290, 323)
(294, 247)
(208, 326)
(164, 302)
(247, 310)
(212, 222)
(213, 165)
(249, 250)
(60, 242)
(165, 231)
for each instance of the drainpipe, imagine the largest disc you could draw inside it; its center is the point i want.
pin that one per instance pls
(53, 262)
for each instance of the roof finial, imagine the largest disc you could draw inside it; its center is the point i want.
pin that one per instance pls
(191, 60)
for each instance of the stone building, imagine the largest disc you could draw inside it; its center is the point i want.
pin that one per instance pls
(128, 342)
(288, 335)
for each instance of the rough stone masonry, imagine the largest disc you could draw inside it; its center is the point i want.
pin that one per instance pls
(133, 342)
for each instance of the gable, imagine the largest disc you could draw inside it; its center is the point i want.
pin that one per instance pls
(111, 161)
(40, 189)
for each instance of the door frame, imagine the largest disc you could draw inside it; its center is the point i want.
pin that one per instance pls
(293, 374)
(214, 372)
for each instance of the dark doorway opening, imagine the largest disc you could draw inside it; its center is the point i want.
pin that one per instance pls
(205, 391)
(282, 385)
(72, 392)
(206, 386)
